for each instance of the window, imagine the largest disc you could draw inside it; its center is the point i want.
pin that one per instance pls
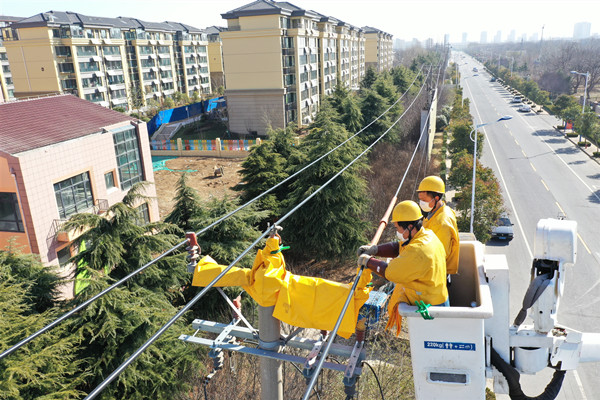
(94, 97)
(73, 195)
(111, 50)
(64, 255)
(112, 65)
(128, 157)
(66, 68)
(143, 215)
(62, 51)
(303, 77)
(10, 215)
(287, 43)
(303, 59)
(313, 74)
(313, 58)
(109, 179)
(290, 79)
(88, 66)
(86, 50)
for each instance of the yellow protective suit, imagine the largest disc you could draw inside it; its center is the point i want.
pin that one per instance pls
(299, 300)
(443, 224)
(419, 272)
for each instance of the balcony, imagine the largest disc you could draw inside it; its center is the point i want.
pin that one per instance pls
(100, 208)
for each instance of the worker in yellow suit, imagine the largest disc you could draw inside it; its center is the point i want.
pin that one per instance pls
(419, 264)
(301, 301)
(440, 218)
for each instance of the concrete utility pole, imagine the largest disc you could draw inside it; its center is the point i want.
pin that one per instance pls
(271, 379)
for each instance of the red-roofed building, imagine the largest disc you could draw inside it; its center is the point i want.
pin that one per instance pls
(62, 155)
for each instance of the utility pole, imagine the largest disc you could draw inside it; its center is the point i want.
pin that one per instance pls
(271, 379)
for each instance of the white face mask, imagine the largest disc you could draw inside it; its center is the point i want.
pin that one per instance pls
(425, 205)
(401, 238)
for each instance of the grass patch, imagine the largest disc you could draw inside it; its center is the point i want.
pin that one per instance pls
(202, 130)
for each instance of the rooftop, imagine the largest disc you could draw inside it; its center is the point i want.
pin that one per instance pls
(267, 7)
(35, 123)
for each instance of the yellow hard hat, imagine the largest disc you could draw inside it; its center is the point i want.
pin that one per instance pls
(406, 211)
(432, 184)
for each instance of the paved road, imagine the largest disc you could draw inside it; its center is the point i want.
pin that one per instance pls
(542, 174)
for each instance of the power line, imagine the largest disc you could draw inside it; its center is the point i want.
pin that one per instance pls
(210, 226)
(154, 337)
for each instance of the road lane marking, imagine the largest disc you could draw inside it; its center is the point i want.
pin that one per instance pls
(584, 244)
(560, 208)
(533, 167)
(578, 380)
(523, 153)
(546, 186)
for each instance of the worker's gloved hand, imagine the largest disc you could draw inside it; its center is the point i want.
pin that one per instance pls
(363, 259)
(367, 249)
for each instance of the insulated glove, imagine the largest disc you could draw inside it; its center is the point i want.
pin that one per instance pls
(367, 249)
(363, 260)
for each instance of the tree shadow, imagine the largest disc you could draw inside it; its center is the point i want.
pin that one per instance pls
(597, 176)
(595, 197)
(567, 150)
(556, 141)
(577, 162)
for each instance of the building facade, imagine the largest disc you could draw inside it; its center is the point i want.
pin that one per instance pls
(215, 56)
(280, 59)
(379, 52)
(115, 62)
(61, 155)
(7, 88)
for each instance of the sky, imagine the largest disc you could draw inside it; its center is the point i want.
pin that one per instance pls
(405, 19)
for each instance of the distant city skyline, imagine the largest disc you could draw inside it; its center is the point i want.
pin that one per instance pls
(405, 19)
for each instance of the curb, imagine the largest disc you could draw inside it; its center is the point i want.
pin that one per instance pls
(596, 159)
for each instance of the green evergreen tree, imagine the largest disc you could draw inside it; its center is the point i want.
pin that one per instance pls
(330, 224)
(369, 79)
(372, 105)
(263, 168)
(402, 78)
(187, 205)
(351, 116)
(461, 140)
(48, 367)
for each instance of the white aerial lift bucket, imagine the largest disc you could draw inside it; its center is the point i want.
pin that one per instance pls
(449, 351)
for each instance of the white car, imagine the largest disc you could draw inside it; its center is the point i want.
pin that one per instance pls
(524, 108)
(516, 99)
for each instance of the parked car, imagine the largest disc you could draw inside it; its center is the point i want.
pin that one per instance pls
(516, 99)
(503, 229)
(475, 69)
(493, 79)
(524, 108)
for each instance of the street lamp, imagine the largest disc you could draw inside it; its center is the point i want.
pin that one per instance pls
(587, 76)
(504, 118)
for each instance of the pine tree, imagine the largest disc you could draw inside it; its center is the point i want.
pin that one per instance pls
(187, 205)
(372, 105)
(351, 116)
(48, 367)
(330, 224)
(369, 79)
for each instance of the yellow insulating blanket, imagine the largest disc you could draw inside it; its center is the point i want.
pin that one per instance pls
(299, 300)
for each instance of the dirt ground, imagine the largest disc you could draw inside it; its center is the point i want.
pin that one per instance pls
(200, 178)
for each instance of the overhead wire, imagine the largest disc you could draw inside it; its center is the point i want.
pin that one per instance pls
(154, 337)
(205, 229)
(376, 379)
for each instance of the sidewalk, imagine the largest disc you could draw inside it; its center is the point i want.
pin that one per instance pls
(589, 151)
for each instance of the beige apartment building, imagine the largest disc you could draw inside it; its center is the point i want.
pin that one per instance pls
(7, 88)
(280, 59)
(215, 56)
(61, 155)
(108, 61)
(379, 52)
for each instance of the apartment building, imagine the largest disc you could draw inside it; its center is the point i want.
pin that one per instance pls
(215, 56)
(7, 88)
(280, 59)
(61, 155)
(114, 62)
(379, 52)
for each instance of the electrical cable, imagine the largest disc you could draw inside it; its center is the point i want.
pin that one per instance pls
(154, 337)
(218, 221)
(376, 379)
